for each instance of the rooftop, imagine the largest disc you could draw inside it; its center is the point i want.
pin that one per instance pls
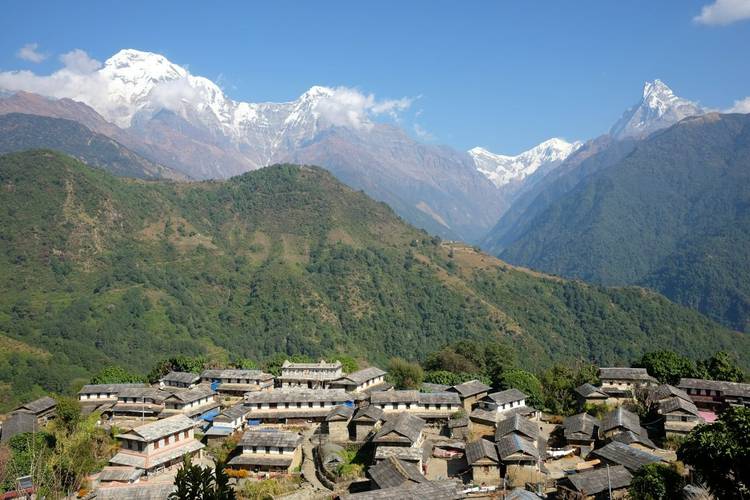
(513, 444)
(181, 377)
(589, 391)
(108, 388)
(517, 424)
(393, 472)
(581, 426)
(677, 404)
(341, 412)
(403, 424)
(38, 405)
(274, 438)
(434, 490)
(235, 373)
(617, 373)
(726, 388)
(623, 454)
(156, 430)
(299, 395)
(369, 414)
(620, 417)
(665, 391)
(470, 388)
(481, 449)
(361, 376)
(190, 395)
(506, 396)
(598, 480)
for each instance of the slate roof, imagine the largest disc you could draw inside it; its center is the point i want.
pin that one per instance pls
(138, 460)
(405, 425)
(403, 396)
(233, 412)
(108, 388)
(432, 398)
(120, 473)
(274, 438)
(481, 449)
(156, 430)
(470, 388)
(406, 453)
(188, 396)
(665, 391)
(479, 414)
(369, 414)
(299, 395)
(589, 391)
(620, 417)
(674, 404)
(521, 494)
(517, 424)
(393, 472)
(513, 444)
(726, 388)
(136, 492)
(617, 373)
(340, 413)
(38, 406)
(261, 459)
(434, 490)
(629, 437)
(507, 396)
(581, 427)
(623, 454)
(430, 387)
(181, 377)
(18, 422)
(311, 366)
(458, 422)
(143, 392)
(597, 480)
(236, 373)
(361, 376)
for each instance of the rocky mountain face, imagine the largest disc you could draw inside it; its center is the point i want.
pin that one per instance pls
(659, 108)
(159, 109)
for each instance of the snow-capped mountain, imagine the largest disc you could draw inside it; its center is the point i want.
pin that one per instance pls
(659, 108)
(504, 169)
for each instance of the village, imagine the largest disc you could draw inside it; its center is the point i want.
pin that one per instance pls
(440, 442)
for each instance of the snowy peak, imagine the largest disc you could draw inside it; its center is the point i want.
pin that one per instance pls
(504, 169)
(659, 108)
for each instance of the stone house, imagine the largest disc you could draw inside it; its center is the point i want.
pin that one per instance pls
(310, 375)
(234, 383)
(180, 380)
(481, 455)
(595, 484)
(361, 380)
(268, 451)
(426, 405)
(158, 445)
(295, 404)
(336, 423)
(714, 395)
(470, 393)
(365, 420)
(195, 402)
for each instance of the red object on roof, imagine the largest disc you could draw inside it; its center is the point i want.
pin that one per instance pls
(709, 416)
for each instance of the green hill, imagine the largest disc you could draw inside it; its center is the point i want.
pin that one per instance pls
(97, 270)
(673, 215)
(19, 132)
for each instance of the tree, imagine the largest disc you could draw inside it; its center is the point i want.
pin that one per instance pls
(719, 453)
(177, 364)
(721, 366)
(667, 367)
(195, 482)
(525, 382)
(68, 413)
(656, 482)
(405, 375)
(348, 363)
(559, 382)
(116, 375)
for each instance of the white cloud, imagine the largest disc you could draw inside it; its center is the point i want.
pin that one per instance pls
(79, 62)
(723, 12)
(30, 53)
(741, 106)
(77, 79)
(347, 107)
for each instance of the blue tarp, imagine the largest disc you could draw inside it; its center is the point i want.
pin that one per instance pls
(209, 415)
(253, 422)
(214, 385)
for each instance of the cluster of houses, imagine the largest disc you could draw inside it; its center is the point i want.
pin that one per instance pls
(488, 440)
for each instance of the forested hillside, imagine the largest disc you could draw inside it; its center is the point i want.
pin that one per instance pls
(673, 215)
(98, 270)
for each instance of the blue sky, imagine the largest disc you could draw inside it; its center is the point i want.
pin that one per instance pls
(504, 75)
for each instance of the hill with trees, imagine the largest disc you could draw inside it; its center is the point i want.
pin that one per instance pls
(97, 270)
(673, 215)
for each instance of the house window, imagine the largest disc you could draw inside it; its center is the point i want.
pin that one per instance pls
(268, 449)
(156, 444)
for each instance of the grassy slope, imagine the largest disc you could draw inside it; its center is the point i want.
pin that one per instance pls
(96, 269)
